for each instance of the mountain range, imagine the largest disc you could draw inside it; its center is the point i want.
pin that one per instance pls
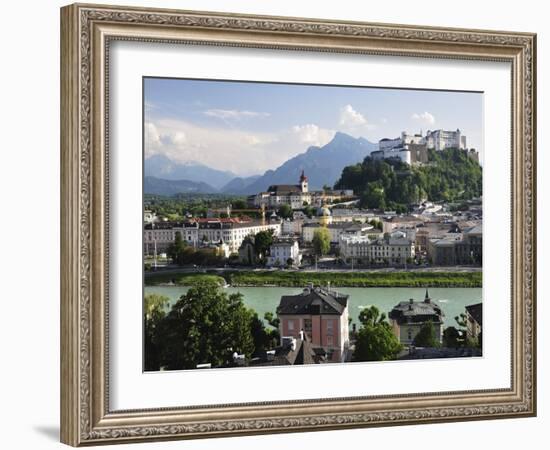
(160, 166)
(159, 186)
(323, 166)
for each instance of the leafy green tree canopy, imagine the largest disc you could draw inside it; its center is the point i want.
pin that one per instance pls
(451, 337)
(450, 175)
(321, 241)
(206, 325)
(427, 337)
(177, 249)
(262, 242)
(285, 211)
(375, 339)
(239, 204)
(155, 306)
(154, 312)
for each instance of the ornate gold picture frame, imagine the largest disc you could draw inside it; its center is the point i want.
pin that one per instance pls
(87, 31)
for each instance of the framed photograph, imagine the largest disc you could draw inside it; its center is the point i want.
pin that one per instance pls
(280, 224)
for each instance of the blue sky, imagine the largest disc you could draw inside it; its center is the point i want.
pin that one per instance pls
(251, 127)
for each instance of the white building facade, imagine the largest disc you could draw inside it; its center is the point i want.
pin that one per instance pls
(401, 153)
(442, 139)
(406, 148)
(296, 196)
(336, 230)
(203, 232)
(280, 253)
(397, 249)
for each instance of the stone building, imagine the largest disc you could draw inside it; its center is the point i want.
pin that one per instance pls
(408, 317)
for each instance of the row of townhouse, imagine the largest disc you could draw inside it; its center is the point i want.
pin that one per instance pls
(462, 247)
(396, 248)
(198, 232)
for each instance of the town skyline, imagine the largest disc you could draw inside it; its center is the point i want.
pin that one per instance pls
(318, 260)
(248, 128)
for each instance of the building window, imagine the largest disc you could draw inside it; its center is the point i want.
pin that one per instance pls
(330, 341)
(330, 326)
(291, 325)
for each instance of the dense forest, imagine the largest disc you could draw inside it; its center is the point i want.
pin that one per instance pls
(449, 175)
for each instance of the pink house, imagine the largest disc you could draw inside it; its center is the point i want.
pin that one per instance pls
(322, 315)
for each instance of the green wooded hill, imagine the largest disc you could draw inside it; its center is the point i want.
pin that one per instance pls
(449, 175)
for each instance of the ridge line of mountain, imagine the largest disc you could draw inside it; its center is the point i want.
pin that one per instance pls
(323, 166)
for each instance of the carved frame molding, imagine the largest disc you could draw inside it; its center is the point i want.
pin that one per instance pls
(86, 32)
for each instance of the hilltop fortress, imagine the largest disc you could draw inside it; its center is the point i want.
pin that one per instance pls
(413, 148)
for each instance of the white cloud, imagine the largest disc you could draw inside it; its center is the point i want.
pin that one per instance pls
(157, 139)
(355, 123)
(312, 134)
(424, 118)
(242, 152)
(175, 138)
(152, 138)
(233, 114)
(350, 118)
(250, 139)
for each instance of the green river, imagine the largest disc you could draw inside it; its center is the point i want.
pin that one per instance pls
(263, 299)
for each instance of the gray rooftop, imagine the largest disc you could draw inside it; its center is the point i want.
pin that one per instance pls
(313, 301)
(411, 311)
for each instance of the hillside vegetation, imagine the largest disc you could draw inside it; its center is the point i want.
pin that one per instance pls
(337, 279)
(450, 175)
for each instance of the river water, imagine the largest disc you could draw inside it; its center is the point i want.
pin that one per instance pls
(263, 299)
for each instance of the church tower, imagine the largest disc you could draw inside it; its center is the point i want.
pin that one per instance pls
(427, 298)
(303, 182)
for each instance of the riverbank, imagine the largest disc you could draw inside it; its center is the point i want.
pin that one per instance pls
(336, 279)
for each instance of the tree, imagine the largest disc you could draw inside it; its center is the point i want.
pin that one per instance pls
(377, 224)
(451, 174)
(272, 320)
(273, 331)
(374, 196)
(321, 241)
(262, 242)
(154, 312)
(177, 249)
(375, 339)
(264, 338)
(426, 336)
(239, 204)
(309, 211)
(206, 325)
(451, 337)
(285, 211)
